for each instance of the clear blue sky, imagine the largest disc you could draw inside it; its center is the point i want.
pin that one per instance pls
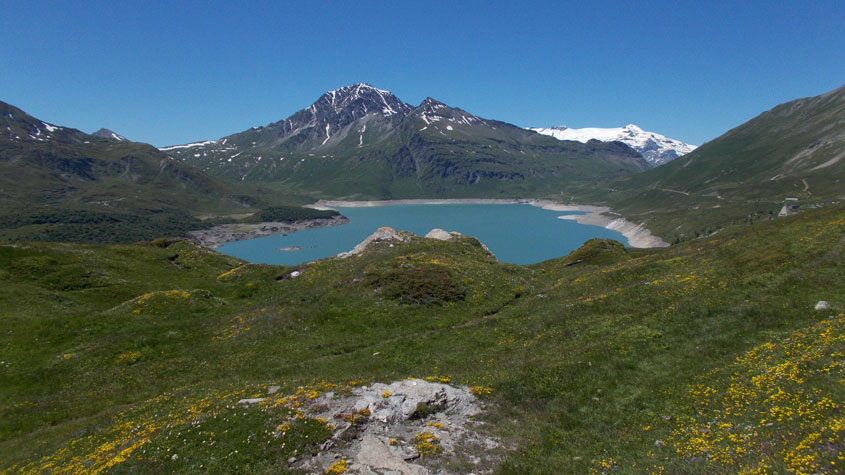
(175, 72)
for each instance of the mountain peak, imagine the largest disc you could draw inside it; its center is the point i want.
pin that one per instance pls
(430, 106)
(16, 125)
(363, 99)
(109, 135)
(430, 101)
(358, 88)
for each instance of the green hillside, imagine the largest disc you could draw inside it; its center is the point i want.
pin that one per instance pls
(60, 184)
(796, 150)
(706, 357)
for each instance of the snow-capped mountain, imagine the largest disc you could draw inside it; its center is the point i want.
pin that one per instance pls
(657, 149)
(361, 139)
(336, 110)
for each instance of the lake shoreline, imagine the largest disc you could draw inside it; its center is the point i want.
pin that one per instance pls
(637, 234)
(225, 233)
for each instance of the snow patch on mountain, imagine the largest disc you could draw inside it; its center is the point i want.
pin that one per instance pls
(188, 145)
(657, 149)
(431, 110)
(342, 97)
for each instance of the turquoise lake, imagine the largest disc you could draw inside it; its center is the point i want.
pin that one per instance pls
(515, 233)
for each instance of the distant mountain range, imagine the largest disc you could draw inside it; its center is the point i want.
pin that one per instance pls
(363, 142)
(657, 149)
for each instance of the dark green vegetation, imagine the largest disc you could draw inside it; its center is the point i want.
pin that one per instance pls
(60, 184)
(359, 142)
(795, 150)
(704, 357)
(288, 214)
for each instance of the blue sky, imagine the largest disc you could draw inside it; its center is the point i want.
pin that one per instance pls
(175, 72)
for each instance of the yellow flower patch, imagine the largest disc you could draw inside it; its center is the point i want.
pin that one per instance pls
(775, 410)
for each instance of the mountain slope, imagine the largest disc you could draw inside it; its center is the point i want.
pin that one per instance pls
(794, 150)
(59, 183)
(657, 149)
(363, 142)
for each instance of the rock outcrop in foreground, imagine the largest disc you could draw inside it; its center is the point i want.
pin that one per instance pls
(409, 427)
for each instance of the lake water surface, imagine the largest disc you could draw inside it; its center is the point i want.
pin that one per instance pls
(515, 233)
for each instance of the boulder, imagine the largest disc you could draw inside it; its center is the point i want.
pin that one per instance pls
(378, 455)
(381, 235)
(442, 235)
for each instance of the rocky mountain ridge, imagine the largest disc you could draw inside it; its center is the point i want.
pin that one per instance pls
(363, 141)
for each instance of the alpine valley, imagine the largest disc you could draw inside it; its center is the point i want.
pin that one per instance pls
(722, 353)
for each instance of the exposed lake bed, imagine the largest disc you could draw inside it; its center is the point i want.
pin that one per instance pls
(516, 231)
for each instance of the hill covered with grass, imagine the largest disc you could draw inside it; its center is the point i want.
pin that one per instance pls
(709, 356)
(61, 184)
(795, 150)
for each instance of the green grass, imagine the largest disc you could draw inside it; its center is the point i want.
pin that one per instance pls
(584, 362)
(793, 150)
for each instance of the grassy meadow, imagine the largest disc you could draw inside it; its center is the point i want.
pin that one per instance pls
(705, 357)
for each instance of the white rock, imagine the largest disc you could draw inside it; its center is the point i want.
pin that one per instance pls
(378, 455)
(442, 235)
(382, 234)
(246, 402)
(383, 442)
(823, 305)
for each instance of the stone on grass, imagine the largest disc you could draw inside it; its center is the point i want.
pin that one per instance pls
(383, 234)
(376, 427)
(247, 402)
(378, 455)
(442, 235)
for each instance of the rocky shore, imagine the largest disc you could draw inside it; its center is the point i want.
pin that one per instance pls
(219, 235)
(637, 234)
